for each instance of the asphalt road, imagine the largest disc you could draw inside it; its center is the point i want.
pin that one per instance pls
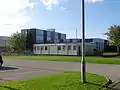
(15, 69)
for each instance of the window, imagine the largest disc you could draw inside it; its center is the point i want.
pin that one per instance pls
(45, 47)
(59, 47)
(74, 47)
(71, 40)
(88, 40)
(37, 47)
(96, 43)
(69, 47)
(63, 47)
(49, 38)
(80, 40)
(39, 37)
(41, 48)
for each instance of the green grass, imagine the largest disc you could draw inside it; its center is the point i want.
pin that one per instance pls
(64, 81)
(99, 60)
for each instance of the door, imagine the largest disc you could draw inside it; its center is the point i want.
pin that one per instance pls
(78, 51)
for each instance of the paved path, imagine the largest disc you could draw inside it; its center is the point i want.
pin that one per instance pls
(21, 69)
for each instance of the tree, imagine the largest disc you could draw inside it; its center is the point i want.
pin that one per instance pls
(114, 36)
(16, 43)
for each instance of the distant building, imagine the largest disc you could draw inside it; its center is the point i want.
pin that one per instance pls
(63, 49)
(99, 43)
(48, 36)
(51, 37)
(3, 40)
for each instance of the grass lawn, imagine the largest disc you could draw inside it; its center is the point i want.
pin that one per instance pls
(64, 81)
(100, 60)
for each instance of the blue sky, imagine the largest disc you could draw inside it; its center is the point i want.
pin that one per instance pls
(63, 15)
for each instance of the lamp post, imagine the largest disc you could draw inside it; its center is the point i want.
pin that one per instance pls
(83, 66)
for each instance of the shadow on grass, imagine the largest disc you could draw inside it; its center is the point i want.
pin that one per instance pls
(7, 68)
(101, 86)
(9, 88)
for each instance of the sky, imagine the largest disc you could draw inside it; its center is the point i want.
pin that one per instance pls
(63, 15)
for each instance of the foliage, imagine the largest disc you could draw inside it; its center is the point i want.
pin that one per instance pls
(16, 43)
(19, 42)
(114, 35)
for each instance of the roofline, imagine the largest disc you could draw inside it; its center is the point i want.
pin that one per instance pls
(87, 38)
(64, 44)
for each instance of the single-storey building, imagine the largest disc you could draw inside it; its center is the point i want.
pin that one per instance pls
(63, 49)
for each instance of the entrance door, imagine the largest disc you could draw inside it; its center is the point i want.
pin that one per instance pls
(78, 51)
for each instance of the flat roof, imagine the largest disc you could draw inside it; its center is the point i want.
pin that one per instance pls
(63, 44)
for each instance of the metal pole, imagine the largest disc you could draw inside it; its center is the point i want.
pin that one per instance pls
(76, 35)
(55, 41)
(76, 43)
(83, 69)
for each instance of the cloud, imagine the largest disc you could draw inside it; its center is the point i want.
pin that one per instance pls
(94, 1)
(13, 12)
(50, 3)
(63, 8)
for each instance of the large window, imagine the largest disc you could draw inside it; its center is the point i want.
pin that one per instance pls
(69, 47)
(39, 37)
(71, 40)
(64, 48)
(38, 48)
(74, 47)
(88, 40)
(56, 36)
(41, 48)
(48, 34)
(39, 32)
(49, 38)
(96, 43)
(59, 47)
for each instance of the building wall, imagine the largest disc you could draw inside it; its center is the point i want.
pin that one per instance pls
(32, 31)
(3, 40)
(100, 43)
(63, 49)
(40, 36)
(45, 36)
(2, 49)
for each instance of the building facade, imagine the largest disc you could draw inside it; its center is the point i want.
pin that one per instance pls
(51, 37)
(100, 44)
(48, 36)
(63, 49)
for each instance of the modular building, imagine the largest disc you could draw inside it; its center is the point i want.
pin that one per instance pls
(63, 49)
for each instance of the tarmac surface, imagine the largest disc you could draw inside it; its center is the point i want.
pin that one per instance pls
(16, 69)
